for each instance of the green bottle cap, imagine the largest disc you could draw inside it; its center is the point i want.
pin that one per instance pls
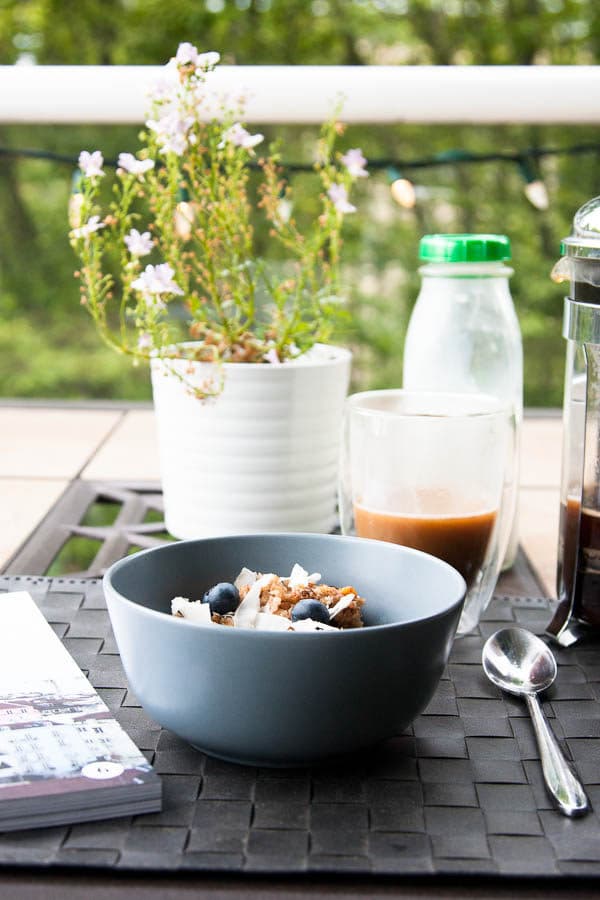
(464, 248)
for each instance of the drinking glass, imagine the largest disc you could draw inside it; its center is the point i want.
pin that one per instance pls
(433, 471)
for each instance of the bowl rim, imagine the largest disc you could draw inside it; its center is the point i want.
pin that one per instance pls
(108, 587)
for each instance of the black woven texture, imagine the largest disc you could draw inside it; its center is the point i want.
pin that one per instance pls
(461, 792)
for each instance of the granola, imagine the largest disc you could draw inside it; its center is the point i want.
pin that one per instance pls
(271, 602)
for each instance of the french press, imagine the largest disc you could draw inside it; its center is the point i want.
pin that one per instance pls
(578, 574)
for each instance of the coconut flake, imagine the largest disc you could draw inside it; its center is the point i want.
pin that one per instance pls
(192, 610)
(311, 625)
(246, 578)
(299, 577)
(247, 612)
(344, 603)
(271, 622)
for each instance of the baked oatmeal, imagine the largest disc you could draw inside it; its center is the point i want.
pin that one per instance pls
(271, 602)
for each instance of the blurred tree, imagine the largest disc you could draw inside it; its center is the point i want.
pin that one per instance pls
(47, 345)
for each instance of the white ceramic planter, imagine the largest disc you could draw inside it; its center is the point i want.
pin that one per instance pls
(260, 457)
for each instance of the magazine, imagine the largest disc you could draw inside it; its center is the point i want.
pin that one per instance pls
(63, 757)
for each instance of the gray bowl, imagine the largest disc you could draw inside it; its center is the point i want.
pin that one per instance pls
(285, 698)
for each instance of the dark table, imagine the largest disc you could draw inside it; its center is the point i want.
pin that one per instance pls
(89, 883)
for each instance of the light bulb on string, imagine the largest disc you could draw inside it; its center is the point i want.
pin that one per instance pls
(285, 207)
(401, 188)
(75, 199)
(185, 214)
(534, 189)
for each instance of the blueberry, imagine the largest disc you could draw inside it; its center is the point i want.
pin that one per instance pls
(310, 609)
(222, 598)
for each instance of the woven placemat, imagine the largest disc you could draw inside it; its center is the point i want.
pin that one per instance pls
(460, 793)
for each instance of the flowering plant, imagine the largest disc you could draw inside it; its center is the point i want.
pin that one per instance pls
(170, 269)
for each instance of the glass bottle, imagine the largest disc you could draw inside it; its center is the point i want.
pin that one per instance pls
(464, 334)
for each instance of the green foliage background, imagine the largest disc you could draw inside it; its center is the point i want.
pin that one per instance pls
(48, 347)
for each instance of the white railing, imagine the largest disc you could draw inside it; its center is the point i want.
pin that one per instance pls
(299, 94)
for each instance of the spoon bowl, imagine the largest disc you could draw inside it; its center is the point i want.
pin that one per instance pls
(517, 661)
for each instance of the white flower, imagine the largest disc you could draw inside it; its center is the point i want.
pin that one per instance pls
(139, 244)
(338, 195)
(272, 357)
(176, 144)
(186, 54)
(239, 137)
(154, 302)
(165, 88)
(91, 163)
(157, 280)
(144, 341)
(134, 166)
(355, 162)
(209, 100)
(164, 125)
(208, 61)
(92, 224)
(171, 131)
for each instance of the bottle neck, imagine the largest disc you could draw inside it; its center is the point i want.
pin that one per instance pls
(466, 270)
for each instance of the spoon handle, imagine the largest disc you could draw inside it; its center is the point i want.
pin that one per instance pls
(565, 788)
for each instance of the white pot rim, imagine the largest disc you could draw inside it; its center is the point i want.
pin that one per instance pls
(319, 355)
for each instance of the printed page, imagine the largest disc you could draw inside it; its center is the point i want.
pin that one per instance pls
(56, 735)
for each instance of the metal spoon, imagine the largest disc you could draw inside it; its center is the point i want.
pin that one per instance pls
(520, 663)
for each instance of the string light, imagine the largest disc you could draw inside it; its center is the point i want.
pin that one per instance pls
(285, 208)
(535, 190)
(402, 189)
(75, 199)
(446, 157)
(185, 214)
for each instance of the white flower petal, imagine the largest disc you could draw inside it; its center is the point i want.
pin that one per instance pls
(139, 244)
(92, 224)
(239, 137)
(186, 54)
(355, 163)
(252, 140)
(338, 195)
(164, 89)
(134, 166)
(144, 341)
(91, 163)
(272, 357)
(208, 60)
(156, 280)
